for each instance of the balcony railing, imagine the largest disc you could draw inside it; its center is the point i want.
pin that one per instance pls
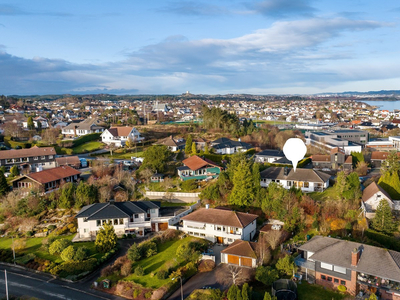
(378, 282)
(301, 262)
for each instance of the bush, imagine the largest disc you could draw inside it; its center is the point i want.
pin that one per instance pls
(136, 293)
(147, 295)
(86, 138)
(107, 271)
(134, 253)
(74, 267)
(383, 239)
(58, 246)
(126, 268)
(139, 271)
(162, 274)
(342, 288)
(206, 265)
(23, 260)
(81, 253)
(51, 227)
(68, 253)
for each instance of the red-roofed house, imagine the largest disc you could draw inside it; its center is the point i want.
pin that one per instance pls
(240, 253)
(198, 168)
(47, 180)
(119, 135)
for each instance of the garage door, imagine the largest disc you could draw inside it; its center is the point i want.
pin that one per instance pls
(247, 262)
(232, 259)
(162, 226)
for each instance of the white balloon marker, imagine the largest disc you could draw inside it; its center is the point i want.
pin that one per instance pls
(294, 150)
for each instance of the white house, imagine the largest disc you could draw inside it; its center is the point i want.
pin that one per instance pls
(269, 156)
(307, 180)
(227, 146)
(126, 217)
(219, 225)
(119, 135)
(240, 253)
(88, 126)
(372, 196)
(43, 122)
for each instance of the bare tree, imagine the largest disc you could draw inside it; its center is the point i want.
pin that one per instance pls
(274, 238)
(146, 174)
(231, 274)
(263, 250)
(105, 194)
(167, 183)
(50, 135)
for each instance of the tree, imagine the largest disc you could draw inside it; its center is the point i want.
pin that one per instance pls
(85, 194)
(67, 197)
(267, 296)
(81, 253)
(194, 148)
(285, 265)
(373, 297)
(14, 171)
(266, 275)
(156, 158)
(106, 238)
(185, 252)
(391, 164)
(243, 189)
(68, 253)
(206, 151)
(130, 142)
(39, 126)
(188, 145)
(390, 182)
(4, 188)
(383, 220)
(134, 253)
(340, 185)
(232, 292)
(231, 274)
(58, 246)
(30, 123)
(361, 168)
(246, 291)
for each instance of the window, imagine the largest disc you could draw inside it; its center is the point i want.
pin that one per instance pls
(196, 234)
(9, 161)
(136, 216)
(335, 280)
(342, 282)
(326, 266)
(98, 222)
(121, 221)
(229, 240)
(85, 230)
(50, 156)
(43, 157)
(115, 221)
(202, 234)
(36, 158)
(323, 277)
(152, 211)
(329, 278)
(103, 222)
(306, 184)
(339, 269)
(219, 228)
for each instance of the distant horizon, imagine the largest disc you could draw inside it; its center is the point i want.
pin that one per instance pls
(258, 47)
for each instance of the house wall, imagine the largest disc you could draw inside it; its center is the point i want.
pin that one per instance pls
(268, 159)
(45, 161)
(287, 184)
(90, 228)
(372, 203)
(224, 259)
(351, 284)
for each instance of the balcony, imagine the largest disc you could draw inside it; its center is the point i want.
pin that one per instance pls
(303, 263)
(378, 282)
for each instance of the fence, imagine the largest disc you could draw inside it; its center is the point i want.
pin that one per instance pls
(175, 219)
(174, 196)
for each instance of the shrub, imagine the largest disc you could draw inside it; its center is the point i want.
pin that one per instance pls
(147, 295)
(106, 239)
(74, 267)
(139, 271)
(81, 253)
(23, 260)
(342, 288)
(68, 253)
(136, 293)
(51, 227)
(134, 253)
(107, 271)
(206, 265)
(58, 246)
(162, 274)
(126, 268)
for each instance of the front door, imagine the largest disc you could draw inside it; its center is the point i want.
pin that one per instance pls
(220, 240)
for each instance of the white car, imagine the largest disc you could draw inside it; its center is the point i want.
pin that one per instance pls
(127, 163)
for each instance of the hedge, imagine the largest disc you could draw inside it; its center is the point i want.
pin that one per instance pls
(74, 267)
(386, 241)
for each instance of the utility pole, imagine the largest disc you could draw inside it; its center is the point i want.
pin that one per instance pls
(5, 275)
(12, 238)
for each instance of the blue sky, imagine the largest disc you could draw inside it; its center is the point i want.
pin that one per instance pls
(209, 47)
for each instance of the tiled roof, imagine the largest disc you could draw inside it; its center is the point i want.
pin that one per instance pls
(271, 153)
(377, 155)
(373, 261)
(68, 160)
(53, 174)
(34, 151)
(170, 141)
(337, 150)
(349, 160)
(241, 248)
(221, 217)
(195, 162)
(319, 157)
(372, 189)
(300, 174)
(120, 131)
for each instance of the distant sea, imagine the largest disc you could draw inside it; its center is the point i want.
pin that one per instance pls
(388, 105)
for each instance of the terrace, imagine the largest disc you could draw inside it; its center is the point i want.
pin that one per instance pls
(377, 282)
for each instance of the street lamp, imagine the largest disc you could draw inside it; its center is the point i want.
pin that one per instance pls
(181, 285)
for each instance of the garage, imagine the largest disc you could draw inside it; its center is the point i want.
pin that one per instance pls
(233, 259)
(246, 262)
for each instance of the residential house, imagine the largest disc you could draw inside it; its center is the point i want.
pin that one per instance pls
(47, 180)
(227, 146)
(126, 217)
(72, 161)
(356, 266)
(172, 144)
(372, 196)
(119, 135)
(200, 143)
(269, 156)
(337, 159)
(43, 123)
(157, 177)
(219, 225)
(377, 158)
(240, 253)
(29, 160)
(88, 126)
(198, 168)
(307, 180)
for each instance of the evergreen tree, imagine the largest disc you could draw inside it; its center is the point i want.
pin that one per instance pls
(4, 188)
(156, 158)
(266, 274)
(14, 171)
(85, 194)
(383, 220)
(206, 151)
(246, 291)
(353, 189)
(243, 189)
(239, 295)
(30, 123)
(39, 126)
(341, 184)
(67, 197)
(391, 164)
(390, 182)
(233, 292)
(106, 239)
(188, 145)
(194, 148)
(285, 265)
(267, 296)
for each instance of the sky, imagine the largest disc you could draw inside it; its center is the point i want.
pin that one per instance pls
(204, 47)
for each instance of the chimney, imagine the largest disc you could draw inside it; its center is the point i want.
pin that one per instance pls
(111, 201)
(355, 257)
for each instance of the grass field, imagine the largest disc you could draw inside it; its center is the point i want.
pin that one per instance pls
(33, 245)
(88, 147)
(307, 291)
(151, 265)
(126, 155)
(328, 194)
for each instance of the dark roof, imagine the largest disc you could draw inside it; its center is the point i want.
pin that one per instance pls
(300, 174)
(31, 152)
(271, 153)
(111, 209)
(221, 217)
(374, 261)
(242, 248)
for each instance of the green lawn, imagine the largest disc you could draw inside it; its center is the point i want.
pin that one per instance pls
(126, 155)
(169, 204)
(151, 265)
(328, 194)
(307, 291)
(88, 147)
(33, 245)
